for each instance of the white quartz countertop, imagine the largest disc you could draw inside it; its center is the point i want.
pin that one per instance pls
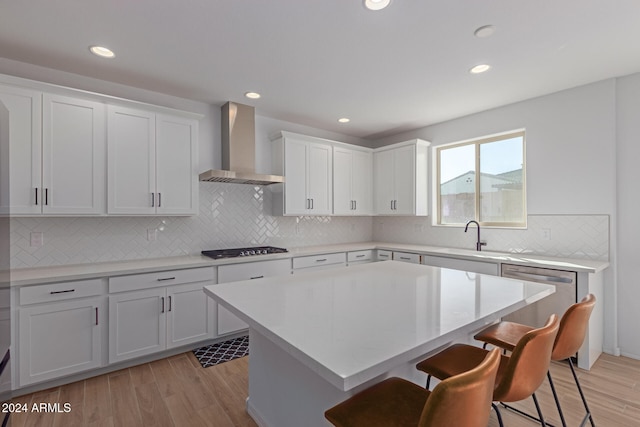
(39, 275)
(351, 325)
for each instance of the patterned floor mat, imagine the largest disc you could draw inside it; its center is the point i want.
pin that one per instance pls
(222, 352)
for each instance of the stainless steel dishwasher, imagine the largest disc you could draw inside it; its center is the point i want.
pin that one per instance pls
(536, 314)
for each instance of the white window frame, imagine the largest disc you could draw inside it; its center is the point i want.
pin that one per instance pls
(477, 142)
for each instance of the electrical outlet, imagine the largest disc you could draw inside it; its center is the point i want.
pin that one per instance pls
(37, 238)
(546, 234)
(152, 234)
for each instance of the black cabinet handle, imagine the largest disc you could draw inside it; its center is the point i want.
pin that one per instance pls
(256, 277)
(162, 279)
(96, 316)
(62, 292)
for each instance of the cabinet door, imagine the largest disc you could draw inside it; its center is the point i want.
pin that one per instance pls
(383, 182)
(73, 156)
(137, 324)
(21, 138)
(319, 173)
(295, 163)
(189, 314)
(361, 183)
(342, 184)
(60, 339)
(404, 165)
(176, 159)
(131, 161)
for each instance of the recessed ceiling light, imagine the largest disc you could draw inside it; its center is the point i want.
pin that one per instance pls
(376, 4)
(484, 31)
(102, 51)
(479, 69)
(252, 95)
(344, 120)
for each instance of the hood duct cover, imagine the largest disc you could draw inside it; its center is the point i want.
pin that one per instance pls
(239, 149)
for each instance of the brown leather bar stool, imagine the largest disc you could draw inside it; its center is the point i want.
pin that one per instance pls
(519, 374)
(573, 328)
(462, 400)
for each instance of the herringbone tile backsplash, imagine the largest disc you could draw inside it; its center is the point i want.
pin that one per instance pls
(240, 215)
(230, 216)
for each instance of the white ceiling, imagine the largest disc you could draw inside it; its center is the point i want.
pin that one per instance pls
(314, 61)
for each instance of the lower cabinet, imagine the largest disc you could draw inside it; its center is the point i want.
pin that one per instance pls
(360, 257)
(151, 320)
(406, 257)
(58, 334)
(462, 264)
(319, 262)
(228, 322)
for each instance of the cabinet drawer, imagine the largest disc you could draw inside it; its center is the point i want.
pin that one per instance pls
(406, 257)
(161, 278)
(253, 270)
(461, 264)
(317, 260)
(60, 291)
(383, 255)
(359, 256)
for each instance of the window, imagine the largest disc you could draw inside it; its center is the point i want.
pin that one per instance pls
(483, 180)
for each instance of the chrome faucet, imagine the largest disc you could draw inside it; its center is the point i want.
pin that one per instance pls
(479, 244)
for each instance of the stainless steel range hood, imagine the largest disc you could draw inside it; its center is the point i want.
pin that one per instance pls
(239, 149)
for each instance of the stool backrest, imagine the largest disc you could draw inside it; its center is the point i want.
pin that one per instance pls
(573, 328)
(528, 364)
(464, 399)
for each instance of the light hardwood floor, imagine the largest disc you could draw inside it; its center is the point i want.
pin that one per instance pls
(178, 392)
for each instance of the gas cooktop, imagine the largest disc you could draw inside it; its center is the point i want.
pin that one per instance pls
(241, 252)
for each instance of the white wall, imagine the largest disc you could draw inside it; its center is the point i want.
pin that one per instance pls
(571, 164)
(628, 242)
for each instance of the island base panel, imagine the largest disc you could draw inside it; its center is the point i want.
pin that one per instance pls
(283, 392)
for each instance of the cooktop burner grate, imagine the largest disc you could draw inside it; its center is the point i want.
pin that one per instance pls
(242, 252)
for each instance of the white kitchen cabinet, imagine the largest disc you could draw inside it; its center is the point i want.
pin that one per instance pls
(352, 181)
(384, 255)
(400, 179)
(228, 322)
(462, 264)
(360, 257)
(406, 257)
(307, 165)
(22, 139)
(152, 160)
(60, 330)
(319, 262)
(57, 154)
(154, 317)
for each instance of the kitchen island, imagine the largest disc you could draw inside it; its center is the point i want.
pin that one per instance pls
(317, 338)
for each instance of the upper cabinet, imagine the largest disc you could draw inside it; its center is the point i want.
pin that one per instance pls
(307, 165)
(400, 179)
(352, 181)
(56, 143)
(152, 159)
(57, 158)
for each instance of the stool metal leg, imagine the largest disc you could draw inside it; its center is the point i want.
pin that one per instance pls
(555, 397)
(588, 415)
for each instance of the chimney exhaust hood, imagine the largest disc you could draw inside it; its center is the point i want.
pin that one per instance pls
(239, 149)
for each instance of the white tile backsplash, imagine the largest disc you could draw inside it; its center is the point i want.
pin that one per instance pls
(570, 236)
(234, 215)
(231, 215)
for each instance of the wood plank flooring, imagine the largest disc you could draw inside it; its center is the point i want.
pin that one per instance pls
(177, 391)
